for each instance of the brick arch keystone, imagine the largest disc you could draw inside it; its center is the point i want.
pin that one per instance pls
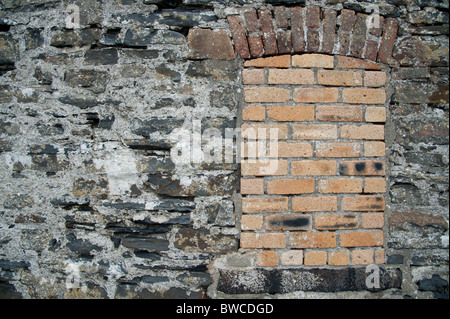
(311, 29)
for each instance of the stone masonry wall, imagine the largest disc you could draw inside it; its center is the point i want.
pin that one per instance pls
(93, 115)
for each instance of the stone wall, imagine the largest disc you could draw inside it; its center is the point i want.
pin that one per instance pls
(92, 202)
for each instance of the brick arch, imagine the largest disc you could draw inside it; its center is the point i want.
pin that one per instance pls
(290, 30)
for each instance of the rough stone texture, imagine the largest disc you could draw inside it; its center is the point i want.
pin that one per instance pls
(104, 99)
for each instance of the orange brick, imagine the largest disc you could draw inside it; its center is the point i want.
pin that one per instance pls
(374, 149)
(335, 221)
(290, 186)
(281, 61)
(362, 257)
(254, 113)
(362, 168)
(363, 203)
(313, 168)
(264, 167)
(376, 114)
(291, 76)
(290, 149)
(339, 258)
(252, 186)
(363, 132)
(345, 62)
(372, 220)
(339, 113)
(363, 96)
(316, 95)
(289, 222)
(380, 256)
(264, 205)
(297, 113)
(314, 131)
(253, 76)
(314, 204)
(313, 61)
(267, 258)
(338, 149)
(263, 240)
(368, 238)
(340, 185)
(374, 78)
(375, 185)
(261, 94)
(292, 258)
(339, 78)
(315, 258)
(312, 240)
(261, 131)
(251, 222)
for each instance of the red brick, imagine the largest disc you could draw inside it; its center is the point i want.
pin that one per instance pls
(372, 220)
(313, 40)
(339, 113)
(298, 35)
(362, 256)
(344, 43)
(281, 61)
(339, 78)
(338, 149)
(336, 221)
(359, 35)
(363, 132)
(363, 203)
(329, 30)
(361, 239)
(256, 45)
(363, 96)
(315, 258)
(210, 44)
(314, 204)
(348, 19)
(371, 51)
(252, 222)
(339, 258)
(340, 185)
(263, 240)
(251, 19)
(291, 113)
(239, 36)
(313, 168)
(313, 60)
(266, 94)
(290, 149)
(289, 222)
(252, 186)
(267, 258)
(316, 95)
(287, 186)
(314, 131)
(345, 62)
(291, 76)
(261, 131)
(264, 205)
(362, 168)
(281, 14)
(264, 167)
(312, 240)
(388, 41)
(269, 37)
(284, 41)
(254, 113)
(312, 19)
(253, 76)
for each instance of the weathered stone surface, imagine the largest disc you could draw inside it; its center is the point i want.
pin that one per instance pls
(419, 92)
(200, 185)
(94, 81)
(101, 57)
(9, 51)
(216, 70)
(209, 44)
(145, 243)
(284, 281)
(201, 241)
(436, 284)
(422, 51)
(81, 246)
(164, 126)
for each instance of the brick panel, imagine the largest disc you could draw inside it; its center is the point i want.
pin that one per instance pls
(314, 190)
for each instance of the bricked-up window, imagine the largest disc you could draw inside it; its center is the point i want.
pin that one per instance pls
(324, 203)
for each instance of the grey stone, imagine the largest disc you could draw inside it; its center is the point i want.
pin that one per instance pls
(164, 126)
(145, 243)
(101, 57)
(94, 81)
(81, 246)
(201, 241)
(9, 50)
